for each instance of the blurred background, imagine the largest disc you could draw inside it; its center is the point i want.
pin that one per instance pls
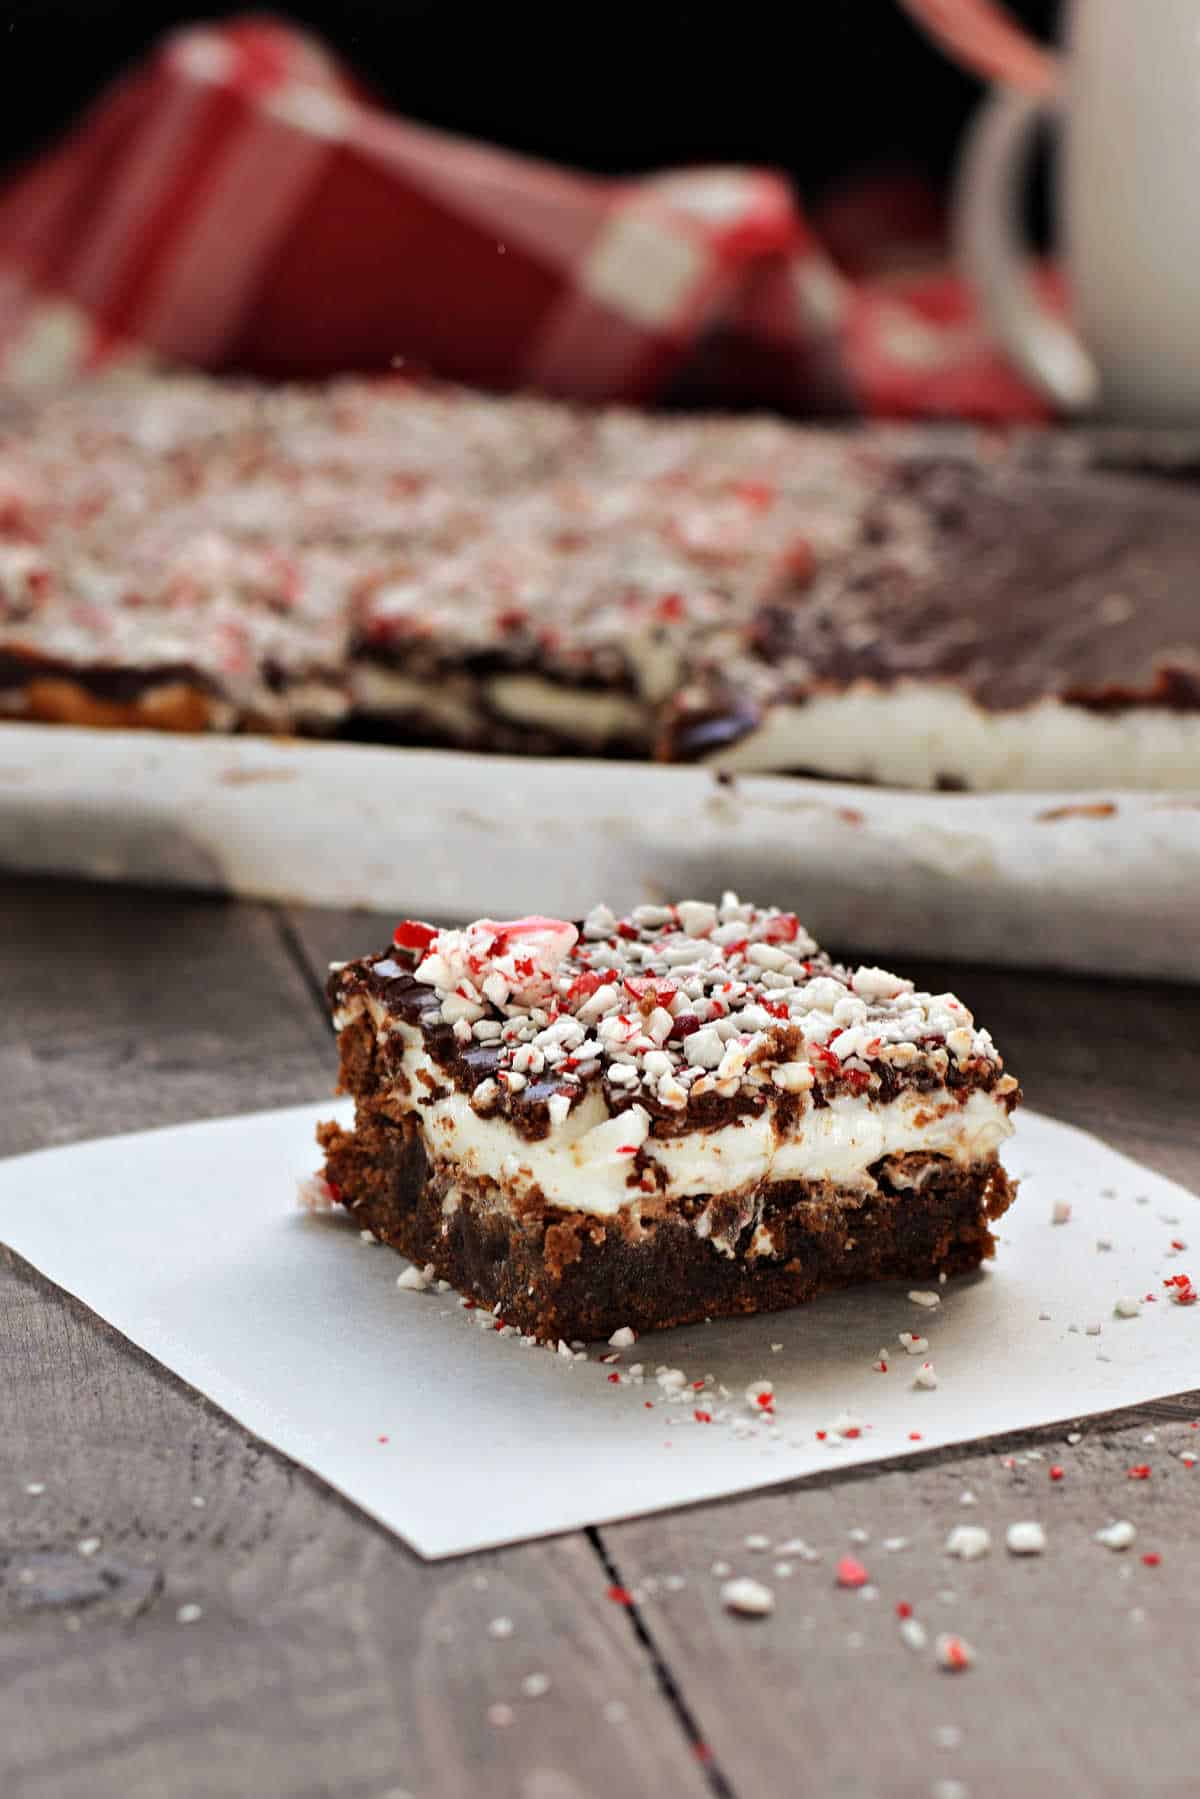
(826, 89)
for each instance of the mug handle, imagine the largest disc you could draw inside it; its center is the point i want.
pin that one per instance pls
(990, 248)
(985, 37)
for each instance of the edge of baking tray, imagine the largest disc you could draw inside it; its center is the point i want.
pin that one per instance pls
(1103, 881)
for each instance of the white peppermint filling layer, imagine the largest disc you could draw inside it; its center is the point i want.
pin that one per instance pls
(590, 715)
(586, 715)
(916, 733)
(584, 1164)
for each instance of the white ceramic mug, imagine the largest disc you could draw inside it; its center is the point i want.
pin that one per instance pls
(1127, 92)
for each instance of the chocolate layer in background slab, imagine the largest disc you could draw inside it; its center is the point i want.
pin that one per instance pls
(420, 565)
(996, 626)
(682, 1113)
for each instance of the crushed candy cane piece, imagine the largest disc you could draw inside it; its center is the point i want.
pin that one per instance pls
(1117, 1536)
(315, 1194)
(414, 1279)
(954, 1653)
(747, 1597)
(1025, 1538)
(968, 1542)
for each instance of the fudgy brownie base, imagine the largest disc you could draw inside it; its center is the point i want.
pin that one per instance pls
(568, 1275)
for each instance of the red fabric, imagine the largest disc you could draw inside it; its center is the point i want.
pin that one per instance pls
(239, 202)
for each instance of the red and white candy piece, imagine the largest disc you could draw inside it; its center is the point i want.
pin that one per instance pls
(513, 959)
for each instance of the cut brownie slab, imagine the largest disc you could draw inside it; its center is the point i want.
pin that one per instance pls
(184, 553)
(686, 1113)
(418, 564)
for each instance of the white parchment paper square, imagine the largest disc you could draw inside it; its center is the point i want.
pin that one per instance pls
(189, 1241)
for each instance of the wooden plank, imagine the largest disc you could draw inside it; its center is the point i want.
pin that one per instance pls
(124, 1009)
(1087, 1660)
(326, 1657)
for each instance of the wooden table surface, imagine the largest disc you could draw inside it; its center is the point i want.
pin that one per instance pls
(328, 1659)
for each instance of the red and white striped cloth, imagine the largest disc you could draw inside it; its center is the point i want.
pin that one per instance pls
(240, 202)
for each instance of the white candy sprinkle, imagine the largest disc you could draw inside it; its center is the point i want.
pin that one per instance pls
(913, 1633)
(1127, 1306)
(1117, 1536)
(35, 1488)
(921, 1297)
(88, 1545)
(968, 1542)
(925, 1376)
(696, 917)
(878, 983)
(416, 1280)
(1026, 1538)
(535, 1685)
(500, 1628)
(757, 1542)
(749, 1597)
(624, 1338)
(188, 1614)
(558, 1106)
(793, 1077)
(703, 1049)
